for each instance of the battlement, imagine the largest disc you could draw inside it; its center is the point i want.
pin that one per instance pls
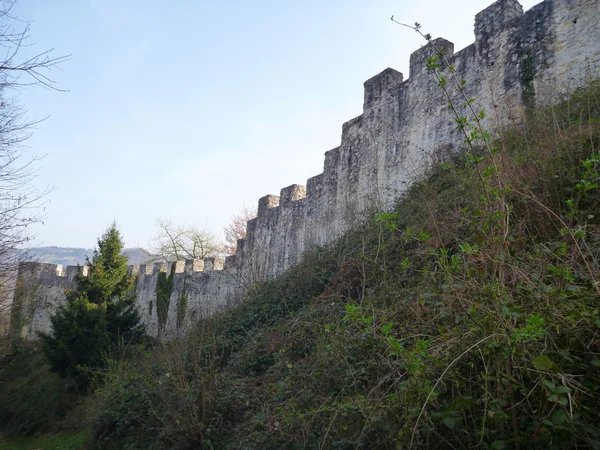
(265, 203)
(47, 271)
(50, 272)
(209, 264)
(229, 263)
(493, 19)
(381, 86)
(419, 58)
(332, 158)
(193, 265)
(314, 186)
(381, 150)
(189, 267)
(291, 194)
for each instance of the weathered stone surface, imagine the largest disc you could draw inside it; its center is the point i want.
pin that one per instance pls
(517, 60)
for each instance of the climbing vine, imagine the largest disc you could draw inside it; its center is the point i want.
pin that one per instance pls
(164, 287)
(182, 302)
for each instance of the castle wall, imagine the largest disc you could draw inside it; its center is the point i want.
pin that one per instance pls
(519, 59)
(39, 291)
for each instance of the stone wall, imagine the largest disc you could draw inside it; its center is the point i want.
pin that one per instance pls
(519, 59)
(197, 289)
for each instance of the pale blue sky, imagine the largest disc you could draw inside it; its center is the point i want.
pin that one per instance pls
(188, 110)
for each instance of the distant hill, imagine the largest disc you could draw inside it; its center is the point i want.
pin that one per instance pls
(68, 256)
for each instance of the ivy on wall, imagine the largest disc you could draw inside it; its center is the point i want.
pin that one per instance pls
(164, 288)
(526, 77)
(25, 303)
(182, 302)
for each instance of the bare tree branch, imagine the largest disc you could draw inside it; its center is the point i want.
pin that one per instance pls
(180, 242)
(237, 229)
(21, 204)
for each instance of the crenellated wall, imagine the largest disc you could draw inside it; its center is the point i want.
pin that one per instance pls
(198, 289)
(519, 59)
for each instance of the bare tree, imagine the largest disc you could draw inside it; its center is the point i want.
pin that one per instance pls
(237, 229)
(21, 204)
(180, 242)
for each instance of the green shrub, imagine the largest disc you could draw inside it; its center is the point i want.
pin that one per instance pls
(99, 314)
(33, 399)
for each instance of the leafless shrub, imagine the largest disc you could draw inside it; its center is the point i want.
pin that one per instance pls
(21, 203)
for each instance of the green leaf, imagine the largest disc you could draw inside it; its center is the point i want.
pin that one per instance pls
(559, 417)
(498, 445)
(563, 390)
(595, 362)
(387, 328)
(542, 362)
(450, 422)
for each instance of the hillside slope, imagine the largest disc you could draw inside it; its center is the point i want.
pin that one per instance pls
(466, 317)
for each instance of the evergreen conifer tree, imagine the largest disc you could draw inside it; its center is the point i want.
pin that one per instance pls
(99, 313)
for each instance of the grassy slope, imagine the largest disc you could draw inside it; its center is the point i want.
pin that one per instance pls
(65, 441)
(38, 410)
(467, 317)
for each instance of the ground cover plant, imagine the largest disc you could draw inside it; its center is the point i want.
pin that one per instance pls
(34, 399)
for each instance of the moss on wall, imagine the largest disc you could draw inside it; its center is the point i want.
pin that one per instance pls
(16, 312)
(526, 78)
(164, 288)
(25, 302)
(182, 302)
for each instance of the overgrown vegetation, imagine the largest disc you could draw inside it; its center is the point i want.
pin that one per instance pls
(62, 441)
(34, 399)
(466, 317)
